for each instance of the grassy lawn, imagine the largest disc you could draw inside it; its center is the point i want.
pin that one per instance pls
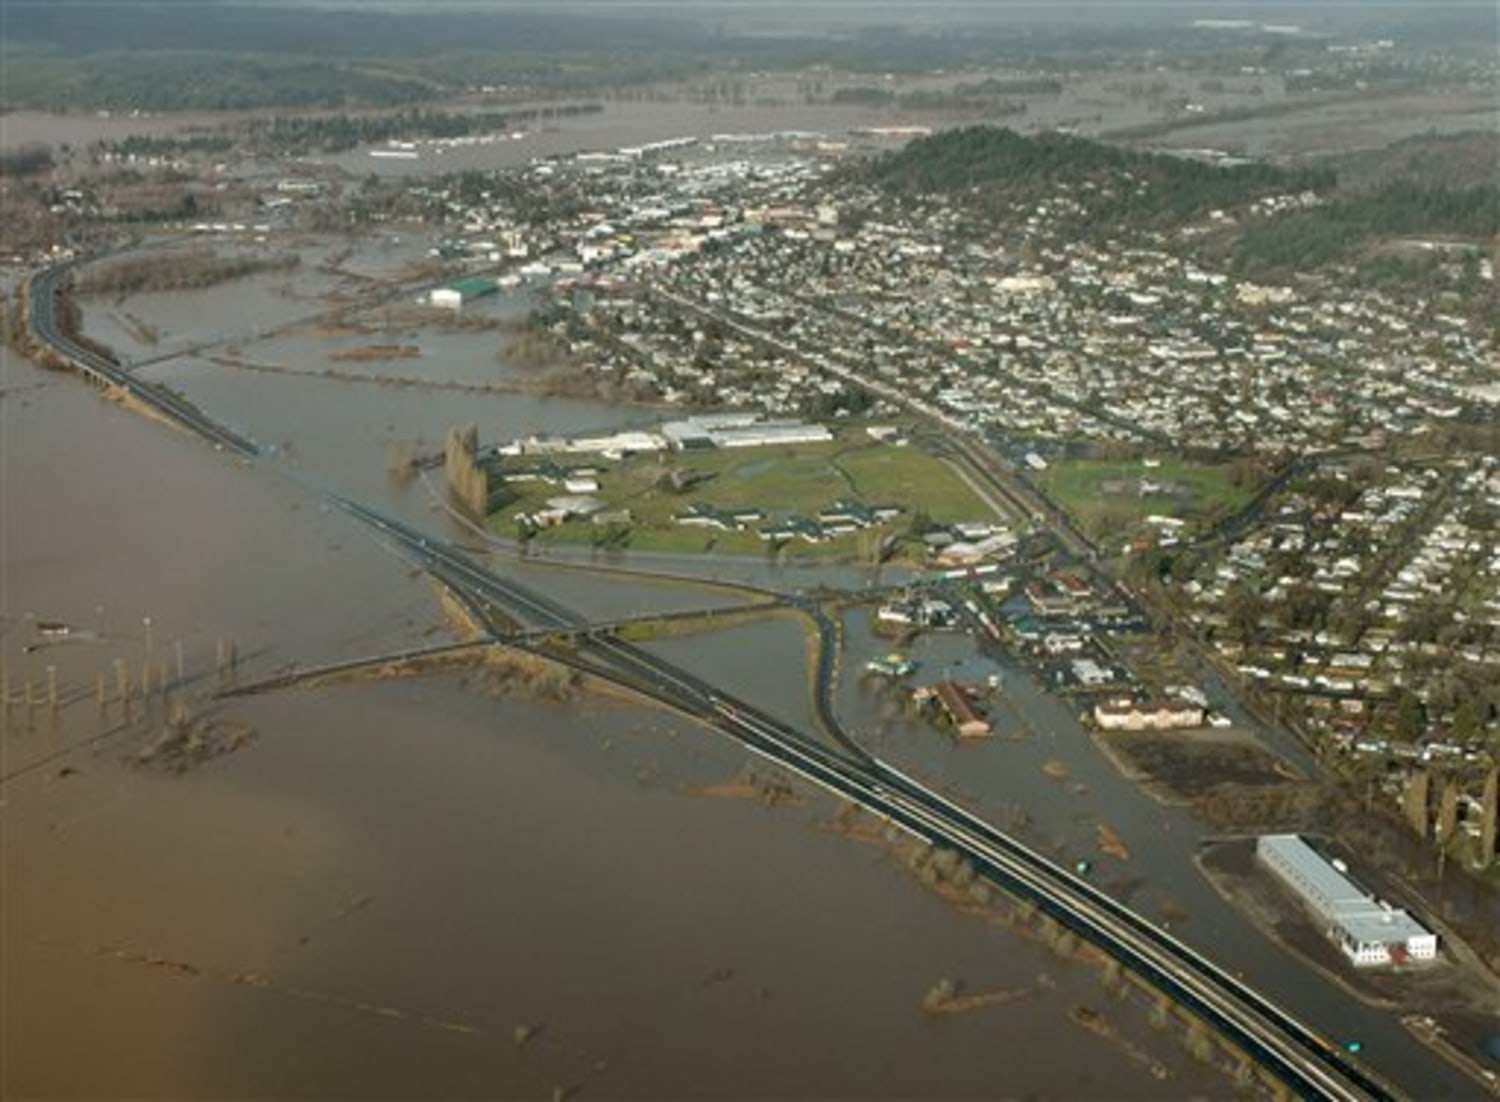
(1104, 497)
(780, 481)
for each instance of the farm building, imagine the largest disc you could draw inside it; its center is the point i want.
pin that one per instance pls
(960, 709)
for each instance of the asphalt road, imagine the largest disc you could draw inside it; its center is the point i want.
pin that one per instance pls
(1295, 1054)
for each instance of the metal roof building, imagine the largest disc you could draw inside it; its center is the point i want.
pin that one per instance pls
(740, 430)
(1368, 930)
(456, 294)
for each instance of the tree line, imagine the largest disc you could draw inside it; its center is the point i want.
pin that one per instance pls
(1322, 235)
(335, 133)
(171, 81)
(31, 159)
(176, 272)
(1128, 186)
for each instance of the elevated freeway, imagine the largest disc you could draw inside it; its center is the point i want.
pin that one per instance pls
(1291, 1051)
(42, 298)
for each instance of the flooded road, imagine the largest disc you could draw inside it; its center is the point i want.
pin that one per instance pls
(446, 885)
(1043, 778)
(422, 869)
(403, 888)
(419, 870)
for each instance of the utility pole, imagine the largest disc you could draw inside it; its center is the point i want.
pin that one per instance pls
(122, 689)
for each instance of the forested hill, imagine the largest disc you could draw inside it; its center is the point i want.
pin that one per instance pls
(1125, 184)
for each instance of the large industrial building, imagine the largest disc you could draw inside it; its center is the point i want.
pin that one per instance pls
(740, 430)
(704, 431)
(1368, 930)
(455, 295)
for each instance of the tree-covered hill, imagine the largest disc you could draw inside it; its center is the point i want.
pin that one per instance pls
(1347, 227)
(1117, 184)
(1114, 189)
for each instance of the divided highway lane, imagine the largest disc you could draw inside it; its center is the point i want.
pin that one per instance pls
(1290, 1050)
(1279, 1042)
(1272, 1037)
(1138, 929)
(479, 591)
(44, 288)
(1259, 1027)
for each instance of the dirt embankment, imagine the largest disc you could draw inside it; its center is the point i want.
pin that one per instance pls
(948, 997)
(185, 742)
(376, 352)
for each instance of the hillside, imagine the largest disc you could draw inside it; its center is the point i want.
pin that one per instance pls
(1392, 194)
(1112, 183)
(1466, 160)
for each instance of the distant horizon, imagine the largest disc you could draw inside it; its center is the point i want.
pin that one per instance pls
(857, 5)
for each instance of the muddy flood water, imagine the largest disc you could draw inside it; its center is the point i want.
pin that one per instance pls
(449, 884)
(441, 885)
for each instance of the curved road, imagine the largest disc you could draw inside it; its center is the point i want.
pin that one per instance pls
(42, 294)
(1294, 1053)
(1289, 1050)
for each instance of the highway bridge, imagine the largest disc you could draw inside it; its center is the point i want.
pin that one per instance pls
(649, 619)
(1287, 1049)
(1293, 1053)
(42, 296)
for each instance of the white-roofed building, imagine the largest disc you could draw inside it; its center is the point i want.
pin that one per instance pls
(1368, 930)
(740, 430)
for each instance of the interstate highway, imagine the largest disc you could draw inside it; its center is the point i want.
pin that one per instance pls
(1288, 1049)
(42, 298)
(1272, 1037)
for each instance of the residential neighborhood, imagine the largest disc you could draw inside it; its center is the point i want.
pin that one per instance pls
(1359, 592)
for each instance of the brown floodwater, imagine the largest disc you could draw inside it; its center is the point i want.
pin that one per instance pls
(372, 896)
(239, 903)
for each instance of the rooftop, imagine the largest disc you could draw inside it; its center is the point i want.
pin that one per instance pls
(1365, 919)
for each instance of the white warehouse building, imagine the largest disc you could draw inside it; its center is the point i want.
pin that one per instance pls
(1368, 930)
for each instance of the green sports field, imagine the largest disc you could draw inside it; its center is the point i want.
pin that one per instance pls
(1107, 498)
(779, 480)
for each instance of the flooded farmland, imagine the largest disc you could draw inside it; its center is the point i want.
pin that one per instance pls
(372, 889)
(423, 885)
